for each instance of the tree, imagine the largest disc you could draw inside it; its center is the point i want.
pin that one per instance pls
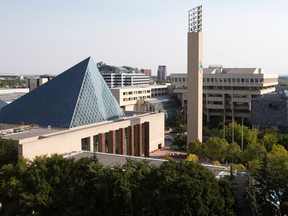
(233, 152)
(215, 148)
(192, 158)
(180, 141)
(8, 152)
(187, 188)
(278, 162)
(253, 152)
(264, 188)
(250, 198)
(196, 147)
(269, 140)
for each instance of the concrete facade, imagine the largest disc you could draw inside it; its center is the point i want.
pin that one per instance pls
(227, 91)
(194, 75)
(130, 136)
(130, 98)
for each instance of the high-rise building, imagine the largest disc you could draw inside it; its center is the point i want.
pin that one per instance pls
(195, 75)
(162, 73)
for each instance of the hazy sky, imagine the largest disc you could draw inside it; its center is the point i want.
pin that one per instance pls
(50, 36)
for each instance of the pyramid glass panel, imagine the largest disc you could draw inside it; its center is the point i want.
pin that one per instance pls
(95, 102)
(76, 97)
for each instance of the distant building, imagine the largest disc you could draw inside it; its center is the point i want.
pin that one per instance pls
(227, 92)
(74, 112)
(129, 98)
(122, 76)
(147, 72)
(271, 111)
(162, 73)
(35, 81)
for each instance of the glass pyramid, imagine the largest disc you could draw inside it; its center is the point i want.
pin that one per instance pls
(76, 97)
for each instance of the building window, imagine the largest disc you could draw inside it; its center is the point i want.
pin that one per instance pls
(95, 143)
(107, 142)
(85, 144)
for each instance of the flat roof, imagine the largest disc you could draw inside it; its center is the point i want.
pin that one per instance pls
(108, 159)
(30, 133)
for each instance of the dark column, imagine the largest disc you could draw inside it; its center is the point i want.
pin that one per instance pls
(101, 140)
(122, 141)
(139, 140)
(131, 140)
(112, 146)
(147, 139)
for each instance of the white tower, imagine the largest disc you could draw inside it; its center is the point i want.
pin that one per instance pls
(195, 76)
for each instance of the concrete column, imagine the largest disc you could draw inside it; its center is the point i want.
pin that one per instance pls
(101, 140)
(91, 144)
(131, 140)
(122, 145)
(112, 146)
(147, 139)
(139, 140)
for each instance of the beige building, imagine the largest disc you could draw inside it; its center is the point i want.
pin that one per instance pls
(137, 136)
(76, 111)
(227, 91)
(131, 98)
(35, 81)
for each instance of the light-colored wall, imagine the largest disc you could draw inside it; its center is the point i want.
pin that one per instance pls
(195, 87)
(70, 140)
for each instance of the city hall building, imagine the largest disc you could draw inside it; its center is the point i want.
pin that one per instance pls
(76, 111)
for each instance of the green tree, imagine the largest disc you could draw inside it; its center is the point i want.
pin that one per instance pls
(250, 198)
(196, 147)
(264, 189)
(233, 152)
(187, 188)
(8, 152)
(180, 141)
(278, 162)
(215, 148)
(269, 140)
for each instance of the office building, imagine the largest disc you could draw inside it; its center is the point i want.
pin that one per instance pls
(271, 111)
(76, 111)
(122, 76)
(129, 98)
(194, 75)
(227, 92)
(162, 73)
(35, 81)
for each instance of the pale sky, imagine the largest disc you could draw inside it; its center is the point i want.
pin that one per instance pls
(48, 37)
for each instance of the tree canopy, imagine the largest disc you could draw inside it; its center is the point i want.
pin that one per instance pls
(58, 186)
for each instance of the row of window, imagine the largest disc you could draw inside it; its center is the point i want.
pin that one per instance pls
(234, 80)
(159, 94)
(136, 92)
(136, 98)
(178, 79)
